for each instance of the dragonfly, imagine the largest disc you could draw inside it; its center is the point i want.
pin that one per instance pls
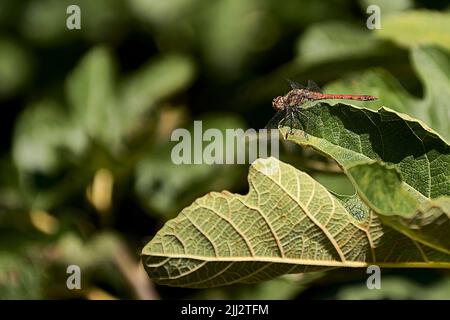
(290, 110)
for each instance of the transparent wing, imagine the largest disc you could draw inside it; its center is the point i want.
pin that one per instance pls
(313, 86)
(307, 120)
(276, 120)
(294, 84)
(299, 119)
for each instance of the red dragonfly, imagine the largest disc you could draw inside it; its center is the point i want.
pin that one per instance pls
(289, 107)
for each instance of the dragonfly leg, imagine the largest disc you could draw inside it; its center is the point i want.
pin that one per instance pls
(288, 122)
(303, 120)
(291, 130)
(306, 127)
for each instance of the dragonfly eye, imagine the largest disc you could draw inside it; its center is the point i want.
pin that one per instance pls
(278, 103)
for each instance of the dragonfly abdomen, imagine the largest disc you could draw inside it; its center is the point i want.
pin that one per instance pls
(346, 96)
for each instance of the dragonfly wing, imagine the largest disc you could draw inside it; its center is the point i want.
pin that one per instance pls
(298, 119)
(276, 120)
(294, 84)
(307, 120)
(313, 86)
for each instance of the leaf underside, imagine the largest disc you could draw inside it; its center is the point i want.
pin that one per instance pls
(287, 223)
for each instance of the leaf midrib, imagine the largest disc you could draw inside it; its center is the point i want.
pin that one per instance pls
(306, 262)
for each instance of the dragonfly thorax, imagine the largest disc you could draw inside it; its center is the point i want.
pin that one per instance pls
(293, 98)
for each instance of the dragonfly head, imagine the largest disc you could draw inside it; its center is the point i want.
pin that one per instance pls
(278, 103)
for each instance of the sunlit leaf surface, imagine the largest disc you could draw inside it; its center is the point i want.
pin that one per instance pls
(287, 223)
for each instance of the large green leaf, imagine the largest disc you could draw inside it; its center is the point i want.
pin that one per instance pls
(334, 41)
(40, 139)
(229, 30)
(158, 79)
(15, 67)
(106, 115)
(397, 164)
(287, 223)
(412, 28)
(90, 91)
(429, 225)
(433, 68)
(353, 135)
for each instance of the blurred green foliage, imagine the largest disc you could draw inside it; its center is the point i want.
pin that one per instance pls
(85, 170)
